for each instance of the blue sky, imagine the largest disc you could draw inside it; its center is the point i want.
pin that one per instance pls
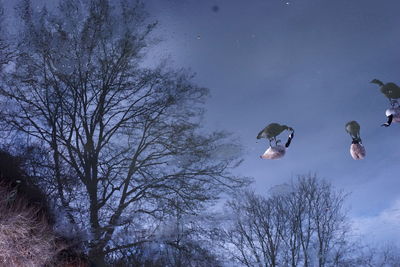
(307, 64)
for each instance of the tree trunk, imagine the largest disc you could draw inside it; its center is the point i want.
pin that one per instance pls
(96, 255)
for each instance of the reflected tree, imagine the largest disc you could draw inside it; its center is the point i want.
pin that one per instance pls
(125, 140)
(304, 226)
(5, 50)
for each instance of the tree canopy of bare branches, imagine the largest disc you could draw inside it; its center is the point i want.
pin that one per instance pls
(124, 140)
(304, 226)
(5, 51)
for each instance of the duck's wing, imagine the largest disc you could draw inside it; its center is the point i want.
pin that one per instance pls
(272, 130)
(391, 90)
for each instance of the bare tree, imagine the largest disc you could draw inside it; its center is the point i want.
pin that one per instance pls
(365, 255)
(292, 210)
(305, 226)
(124, 140)
(329, 221)
(388, 255)
(5, 51)
(256, 230)
(181, 240)
(184, 240)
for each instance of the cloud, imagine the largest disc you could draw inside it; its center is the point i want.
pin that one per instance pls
(384, 227)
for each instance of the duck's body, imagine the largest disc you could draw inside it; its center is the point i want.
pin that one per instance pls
(390, 90)
(272, 131)
(392, 114)
(395, 112)
(274, 152)
(357, 151)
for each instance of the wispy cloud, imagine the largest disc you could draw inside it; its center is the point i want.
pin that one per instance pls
(384, 227)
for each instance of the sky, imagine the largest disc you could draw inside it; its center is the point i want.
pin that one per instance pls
(306, 64)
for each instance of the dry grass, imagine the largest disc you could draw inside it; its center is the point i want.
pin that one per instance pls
(26, 237)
